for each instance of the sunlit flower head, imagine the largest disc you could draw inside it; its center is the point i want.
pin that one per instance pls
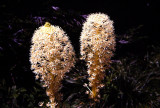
(51, 56)
(97, 46)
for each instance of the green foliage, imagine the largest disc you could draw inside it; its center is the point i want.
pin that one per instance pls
(21, 97)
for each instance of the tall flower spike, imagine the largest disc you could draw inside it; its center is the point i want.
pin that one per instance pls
(51, 56)
(97, 46)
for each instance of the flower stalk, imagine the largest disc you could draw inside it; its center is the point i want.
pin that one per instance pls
(97, 46)
(51, 56)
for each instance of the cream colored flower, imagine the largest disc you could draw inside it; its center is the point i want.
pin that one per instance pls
(46, 60)
(97, 46)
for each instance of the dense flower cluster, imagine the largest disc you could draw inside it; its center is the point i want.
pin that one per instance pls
(97, 46)
(51, 56)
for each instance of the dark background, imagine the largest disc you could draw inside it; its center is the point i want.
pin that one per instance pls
(136, 25)
(124, 13)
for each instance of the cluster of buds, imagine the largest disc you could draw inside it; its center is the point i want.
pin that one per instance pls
(51, 56)
(97, 46)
